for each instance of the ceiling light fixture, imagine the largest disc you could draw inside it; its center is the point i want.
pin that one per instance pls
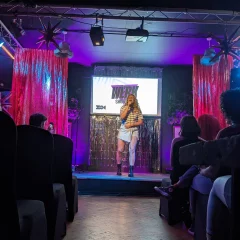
(16, 28)
(96, 33)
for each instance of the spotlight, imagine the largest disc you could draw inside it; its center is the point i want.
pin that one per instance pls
(6, 50)
(16, 28)
(97, 36)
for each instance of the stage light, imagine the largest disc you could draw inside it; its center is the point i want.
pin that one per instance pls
(16, 28)
(6, 51)
(97, 36)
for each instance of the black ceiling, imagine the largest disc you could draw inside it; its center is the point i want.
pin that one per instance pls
(233, 5)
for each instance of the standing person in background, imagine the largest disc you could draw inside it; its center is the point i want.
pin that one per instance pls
(132, 118)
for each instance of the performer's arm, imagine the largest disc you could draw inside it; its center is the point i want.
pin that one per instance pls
(124, 112)
(138, 123)
(140, 120)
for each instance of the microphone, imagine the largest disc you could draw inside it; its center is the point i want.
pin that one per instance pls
(131, 105)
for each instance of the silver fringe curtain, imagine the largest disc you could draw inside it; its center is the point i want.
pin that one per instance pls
(128, 72)
(103, 144)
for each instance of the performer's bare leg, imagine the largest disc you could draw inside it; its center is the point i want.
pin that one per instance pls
(120, 148)
(132, 155)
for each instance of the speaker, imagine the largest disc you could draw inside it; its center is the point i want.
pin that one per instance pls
(235, 78)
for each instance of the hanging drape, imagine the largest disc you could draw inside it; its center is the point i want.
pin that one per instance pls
(127, 71)
(40, 86)
(208, 84)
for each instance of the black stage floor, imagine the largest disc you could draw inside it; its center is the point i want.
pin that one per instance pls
(108, 183)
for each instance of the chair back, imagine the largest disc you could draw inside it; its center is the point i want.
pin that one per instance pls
(62, 168)
(63, 148)
(9, 220)
(34, 164)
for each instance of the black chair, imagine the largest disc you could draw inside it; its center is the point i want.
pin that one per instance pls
(170, 209)
(9, 222)
(32, 220)
(75, 191)
(62, 170)
(24, 219)
(34, 177)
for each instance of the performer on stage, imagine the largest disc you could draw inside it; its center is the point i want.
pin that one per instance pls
(132, 118)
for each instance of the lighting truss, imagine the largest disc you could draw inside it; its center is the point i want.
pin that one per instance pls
(150, 14)
(8, 37)
(5, 104)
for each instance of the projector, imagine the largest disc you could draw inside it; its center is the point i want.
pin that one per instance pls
(137, 35)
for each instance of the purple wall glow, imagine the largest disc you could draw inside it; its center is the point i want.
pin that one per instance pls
(155, 52)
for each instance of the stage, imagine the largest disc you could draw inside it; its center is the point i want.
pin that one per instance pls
(108, 183)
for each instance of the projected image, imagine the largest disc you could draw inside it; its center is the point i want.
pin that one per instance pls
(110, 93)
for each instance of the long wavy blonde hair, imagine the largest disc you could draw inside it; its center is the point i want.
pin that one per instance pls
(136, 107)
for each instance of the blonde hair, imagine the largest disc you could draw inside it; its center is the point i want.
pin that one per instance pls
(135, 103)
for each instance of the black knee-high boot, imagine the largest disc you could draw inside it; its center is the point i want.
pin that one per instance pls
(130, 171)
(119, 169)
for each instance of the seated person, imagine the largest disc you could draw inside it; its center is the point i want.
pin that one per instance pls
(219, 198)
(221, 192)
(210, 127)
(201, 182)
(189, 133)
(37, 120)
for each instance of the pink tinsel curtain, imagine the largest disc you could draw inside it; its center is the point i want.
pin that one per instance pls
(40, 86)
(208, 84)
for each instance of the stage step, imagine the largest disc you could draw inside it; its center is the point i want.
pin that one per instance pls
(108, 183)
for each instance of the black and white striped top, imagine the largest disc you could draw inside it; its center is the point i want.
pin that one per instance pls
(132, 117)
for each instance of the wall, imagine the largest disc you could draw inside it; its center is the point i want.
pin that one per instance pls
(176, 80)
(235, 78)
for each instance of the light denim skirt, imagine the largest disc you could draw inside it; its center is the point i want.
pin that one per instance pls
(127, 134)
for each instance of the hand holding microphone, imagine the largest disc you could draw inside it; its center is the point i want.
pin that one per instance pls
(130, 106)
